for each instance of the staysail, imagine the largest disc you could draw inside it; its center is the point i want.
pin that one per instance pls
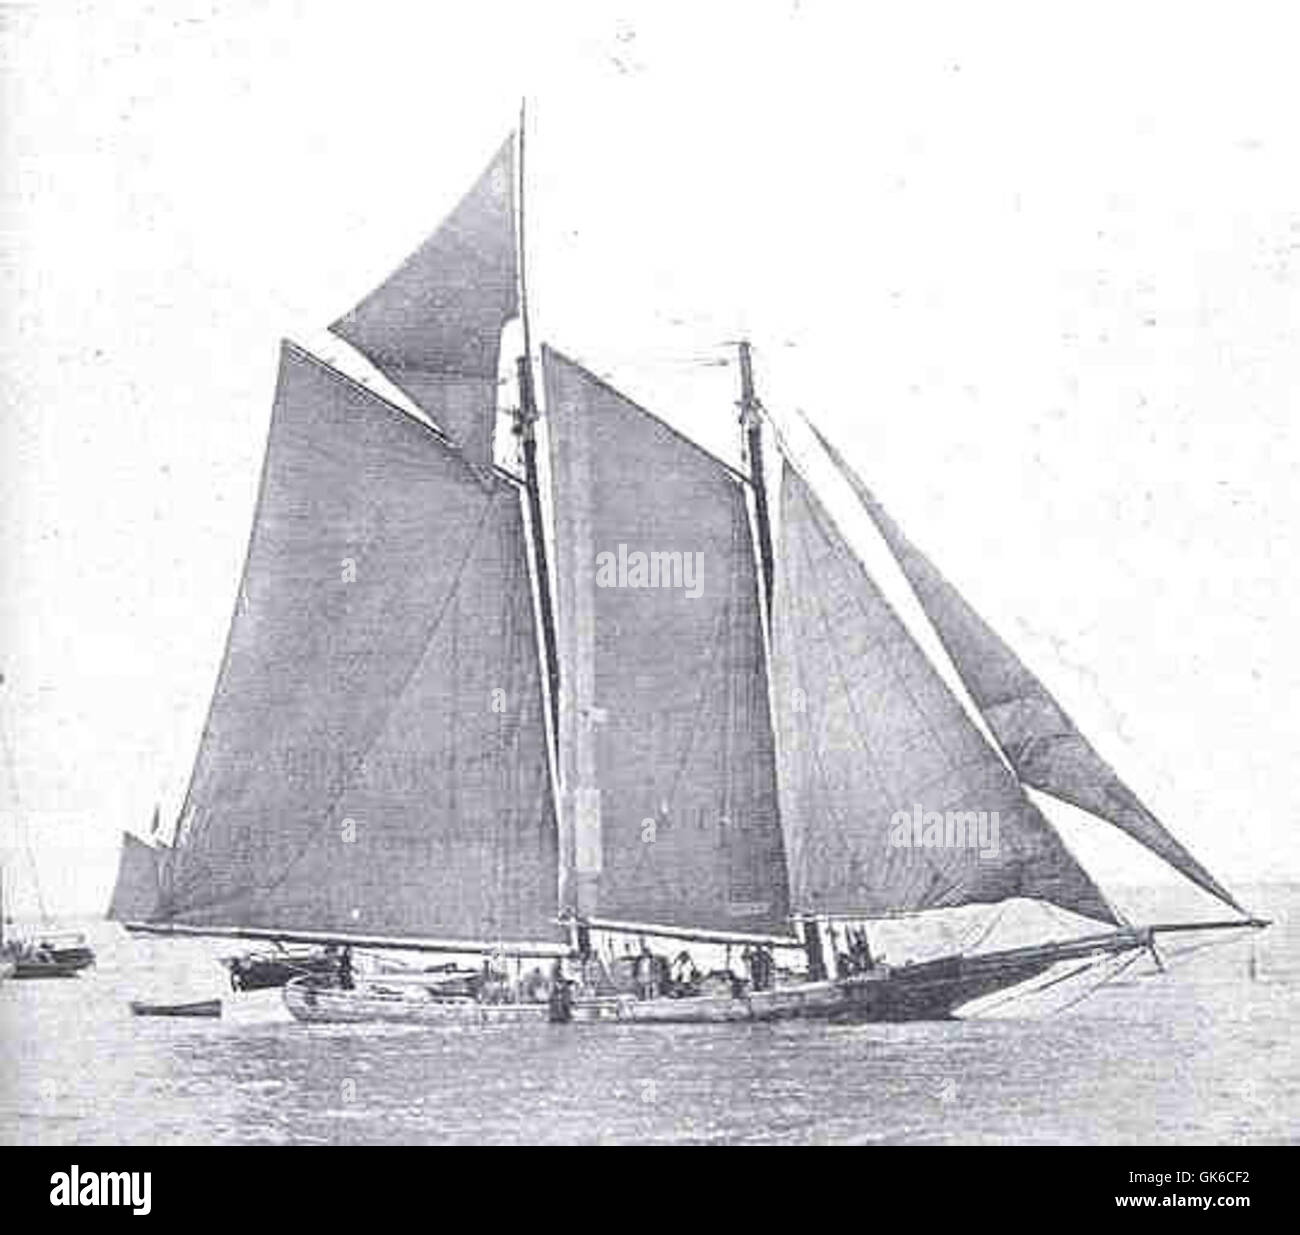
(1039, 740)
(667, 766)
(434, 326)
(875, 753)
(137, 890)
(374, 762)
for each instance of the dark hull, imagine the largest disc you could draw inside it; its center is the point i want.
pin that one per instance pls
(205, 1007)
(931, 992)
(62, 963)
(258, 972)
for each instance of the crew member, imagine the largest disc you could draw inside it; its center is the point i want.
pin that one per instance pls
(345, 969)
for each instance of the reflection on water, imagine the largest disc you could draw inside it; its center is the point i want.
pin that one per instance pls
(1202, 1054)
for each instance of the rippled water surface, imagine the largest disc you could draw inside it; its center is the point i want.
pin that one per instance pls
(1200, 1054)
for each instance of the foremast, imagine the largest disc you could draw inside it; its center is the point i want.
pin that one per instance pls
(526, 418)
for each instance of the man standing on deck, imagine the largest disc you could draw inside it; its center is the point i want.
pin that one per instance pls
(345, 969)
(647, 973)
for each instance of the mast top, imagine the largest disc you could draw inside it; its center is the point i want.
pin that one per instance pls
(750, 408)
(523, 260)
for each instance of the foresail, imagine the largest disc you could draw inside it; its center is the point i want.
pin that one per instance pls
(1039, 740)
(136, 892)
(434, 326)
(891, 799)
(374, 761)
(667, 766)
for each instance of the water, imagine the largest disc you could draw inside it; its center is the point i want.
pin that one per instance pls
(1201, 1054)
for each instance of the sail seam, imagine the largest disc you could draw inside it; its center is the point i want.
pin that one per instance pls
(359, 763)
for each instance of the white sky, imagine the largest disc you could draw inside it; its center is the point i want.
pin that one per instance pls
(1035, 273)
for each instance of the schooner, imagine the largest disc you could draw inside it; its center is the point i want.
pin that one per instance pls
(459, 711)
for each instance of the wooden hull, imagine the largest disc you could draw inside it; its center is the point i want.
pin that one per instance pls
(62, 963)
(930, 991)
(312, 1002)
(879, 996)
(204, 1007)
(261, 971)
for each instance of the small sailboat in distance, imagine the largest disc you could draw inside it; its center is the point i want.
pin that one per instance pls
(49, 952)
(6, 962)
(705, 727)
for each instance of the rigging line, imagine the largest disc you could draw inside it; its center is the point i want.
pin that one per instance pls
(523, 251)
(358, 764)
(1023, 993)
(1138, 953)
(988, 930)
(1175, 959)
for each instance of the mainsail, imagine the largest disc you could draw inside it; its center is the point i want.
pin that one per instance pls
(667, 766)
(869, 736)
(137, 890)
(374, 762)
(1039, 740)
(434, 326)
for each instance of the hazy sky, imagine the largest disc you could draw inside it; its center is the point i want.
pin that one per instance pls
(1035, 272)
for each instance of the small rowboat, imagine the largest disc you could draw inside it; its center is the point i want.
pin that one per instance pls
(51, 956)
(202, 1007)
(310, 1001)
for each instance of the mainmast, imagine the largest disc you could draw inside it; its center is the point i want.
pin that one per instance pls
(526, 416)
(752, 422)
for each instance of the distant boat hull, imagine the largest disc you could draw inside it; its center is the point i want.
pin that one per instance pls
(258, 971)
(203, 1007)
(56, 963)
